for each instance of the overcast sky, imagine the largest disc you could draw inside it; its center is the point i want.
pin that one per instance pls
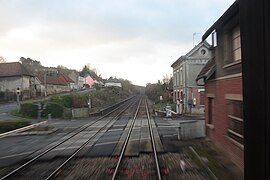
(136, 40)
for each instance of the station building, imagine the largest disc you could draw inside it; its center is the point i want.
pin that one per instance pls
(188, 96)
(222, 77)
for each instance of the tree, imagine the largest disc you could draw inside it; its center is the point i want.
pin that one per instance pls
(30, 62)
(2, 59)
(154, 91)
(87, 71)
(61, 67)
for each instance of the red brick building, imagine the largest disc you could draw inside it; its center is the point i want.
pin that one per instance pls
(222, 77)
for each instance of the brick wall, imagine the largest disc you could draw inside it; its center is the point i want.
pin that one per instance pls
(217, 89)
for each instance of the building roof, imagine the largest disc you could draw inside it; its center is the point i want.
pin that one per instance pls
(13, 69)
(207, 70)
(233, 9)
(55, 80)
(194, 49)
(66, 78)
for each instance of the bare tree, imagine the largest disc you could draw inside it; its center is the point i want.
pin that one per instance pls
(2, 59)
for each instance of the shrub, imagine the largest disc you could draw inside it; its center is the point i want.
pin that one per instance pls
(56, 110)
(79, 100)
(11, 125)
(29, 110)
(64, 100)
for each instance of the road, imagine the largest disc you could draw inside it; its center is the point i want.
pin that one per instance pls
(5, 109)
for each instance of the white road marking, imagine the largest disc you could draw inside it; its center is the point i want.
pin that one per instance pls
(115, 130)
(119, 125)
(170, 135)
(15, 155)
(168, 126)
(66, 148)
(106, 143)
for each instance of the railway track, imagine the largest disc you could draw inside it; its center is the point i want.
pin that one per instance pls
(136, 152)
(148, 167)
(72, 137)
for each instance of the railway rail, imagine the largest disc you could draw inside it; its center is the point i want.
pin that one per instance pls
(117, 170)
(123, 144)
(75, 134)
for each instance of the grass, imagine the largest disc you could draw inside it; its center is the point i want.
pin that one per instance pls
(42, 128)
(17, 114)
(215, 165)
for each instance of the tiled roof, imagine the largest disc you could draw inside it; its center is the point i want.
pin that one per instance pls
(51, 80)
(65, 78)
(208, 69)
(13, 69)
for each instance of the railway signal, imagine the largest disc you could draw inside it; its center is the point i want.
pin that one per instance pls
(18, 93)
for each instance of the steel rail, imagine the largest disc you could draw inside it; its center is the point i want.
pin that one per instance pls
(57, 170)
(80, 129)
(153, 142)
(126, 142)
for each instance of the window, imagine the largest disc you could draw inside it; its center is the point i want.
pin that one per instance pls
(202, 94)
(210, 110)
(177, 77)
(174, 78)
(235, 120)
(181, 76)
(236, 44)
(232, 46)
(214, 38)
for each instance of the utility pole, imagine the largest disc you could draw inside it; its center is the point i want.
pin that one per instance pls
(45, 84)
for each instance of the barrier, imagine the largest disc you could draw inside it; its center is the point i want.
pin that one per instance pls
(9, 133)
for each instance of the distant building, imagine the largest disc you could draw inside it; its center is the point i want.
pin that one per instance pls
(12, 76)
(222, 77)
(113, 84)
(78, 80)
(68, 81)
(88, 81)
(188, 96)
(52, 85)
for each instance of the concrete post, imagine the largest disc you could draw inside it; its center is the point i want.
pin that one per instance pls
(49, 118)
(179, 132)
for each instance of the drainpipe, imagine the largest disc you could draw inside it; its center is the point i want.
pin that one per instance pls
(185, 89)
(45, 79)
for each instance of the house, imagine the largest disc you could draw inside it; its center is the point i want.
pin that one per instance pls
(222, 77)
(88, 81)
(68, 81)
(78, 80)
(186, 93)
(14, 75)
(52, 85)
(113, 82)
(99, 83)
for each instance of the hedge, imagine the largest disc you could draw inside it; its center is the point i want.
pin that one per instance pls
(56, 110)
(31, 110)
(64, 100)
(9, 125)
